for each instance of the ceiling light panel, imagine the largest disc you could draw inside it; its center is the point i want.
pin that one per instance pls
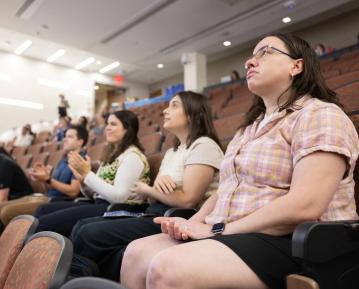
(23, 47)
(109, 67)
(56, 55)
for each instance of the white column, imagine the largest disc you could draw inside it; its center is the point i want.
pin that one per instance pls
(195, 71)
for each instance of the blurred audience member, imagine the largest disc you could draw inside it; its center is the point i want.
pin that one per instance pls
(235, 75)
(319, 49)
(26, 137)
(63, 106)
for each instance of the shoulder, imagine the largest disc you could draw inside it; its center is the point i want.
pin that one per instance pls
(319, 113)
(203, 141)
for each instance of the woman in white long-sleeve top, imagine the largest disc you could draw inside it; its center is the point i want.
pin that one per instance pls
(123, 165)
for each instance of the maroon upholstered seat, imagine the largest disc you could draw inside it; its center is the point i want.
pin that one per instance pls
(43, 263)
(12, 241)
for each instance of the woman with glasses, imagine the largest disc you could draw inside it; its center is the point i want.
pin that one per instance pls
(295, 140)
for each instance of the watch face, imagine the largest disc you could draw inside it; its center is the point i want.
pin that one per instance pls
(218, 228)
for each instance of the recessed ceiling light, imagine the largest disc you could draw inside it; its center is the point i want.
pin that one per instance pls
(286, 20)
(109, 67)
(23, 47)
(227, 43)
(96, 87)
(98, 62)
(21, 103)
(85, 63)
(160, 66)
(56, 55)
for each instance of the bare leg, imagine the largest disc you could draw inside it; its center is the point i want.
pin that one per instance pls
(202, 264)
(138, 256)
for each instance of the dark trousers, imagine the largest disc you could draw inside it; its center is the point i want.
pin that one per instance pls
(61, 217)
(104, 240)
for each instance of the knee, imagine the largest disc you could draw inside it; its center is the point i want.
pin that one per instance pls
(162, 273)
(40, 211)
(76, 230)
(132, 255)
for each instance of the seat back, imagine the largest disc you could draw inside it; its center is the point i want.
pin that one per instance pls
(155, 163)
(12, 240)
(91, 283)
(43, 263)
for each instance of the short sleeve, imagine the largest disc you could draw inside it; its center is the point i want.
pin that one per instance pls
(205, 151)
(6, 175)
(325, 129)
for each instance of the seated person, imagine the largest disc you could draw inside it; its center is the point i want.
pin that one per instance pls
(291, 161)
(62, 183)
(26, 137)
(187, 176)
(13, 181)
(123, 165)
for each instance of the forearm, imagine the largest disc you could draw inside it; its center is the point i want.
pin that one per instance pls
(279, 217)
(69, 190)
(177, 198)
(206, 209)
(4, 195)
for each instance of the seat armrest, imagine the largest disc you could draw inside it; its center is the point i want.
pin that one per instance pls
(295, 281)
(319, 241)
(127, 207)
(180, 212)
(84, 200)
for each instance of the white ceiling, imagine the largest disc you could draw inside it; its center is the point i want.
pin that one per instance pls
(142, 33)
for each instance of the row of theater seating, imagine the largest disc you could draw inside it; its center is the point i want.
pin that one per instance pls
(22, 252)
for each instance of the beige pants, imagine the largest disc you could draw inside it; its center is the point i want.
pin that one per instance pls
(25, 205)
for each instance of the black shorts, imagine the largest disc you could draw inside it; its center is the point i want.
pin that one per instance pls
(269, 257)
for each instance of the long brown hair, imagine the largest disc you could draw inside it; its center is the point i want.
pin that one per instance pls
(129, 121)
(198, 110)
(309, 81)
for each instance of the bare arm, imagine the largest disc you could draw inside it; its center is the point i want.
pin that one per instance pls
(196, 180)
(71, 190)
(4, 194)
(314, 182)
(206, 209)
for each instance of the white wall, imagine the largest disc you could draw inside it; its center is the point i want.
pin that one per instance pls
(24, 74)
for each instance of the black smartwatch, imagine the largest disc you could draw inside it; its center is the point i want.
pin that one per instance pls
(217, 229)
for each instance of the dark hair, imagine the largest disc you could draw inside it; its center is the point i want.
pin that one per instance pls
(129, 121)
(198, 110)
(84, 121)
(309, 81)
(81, 133)
(234, 75)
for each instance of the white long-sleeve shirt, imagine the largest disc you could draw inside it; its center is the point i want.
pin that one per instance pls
(129, 172)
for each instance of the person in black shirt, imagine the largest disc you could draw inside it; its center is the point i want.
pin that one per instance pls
(13, 181)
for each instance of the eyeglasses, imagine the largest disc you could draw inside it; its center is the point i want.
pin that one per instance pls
(265, 50)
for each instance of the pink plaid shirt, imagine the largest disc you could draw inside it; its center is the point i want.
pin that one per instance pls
(259, 161)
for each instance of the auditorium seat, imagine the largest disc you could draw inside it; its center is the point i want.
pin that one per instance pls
(168, 142)
(55, 157)
(343, 79)
(227, 127)
(24, 161)
(151, 142)
(18, 152)
(349, 95)
(43, 263)
(96, 152)
(51, 147)
(35, 149)
(155, 163)
(40, 158)
(11, 242)
(147, 130)
(91, 283)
